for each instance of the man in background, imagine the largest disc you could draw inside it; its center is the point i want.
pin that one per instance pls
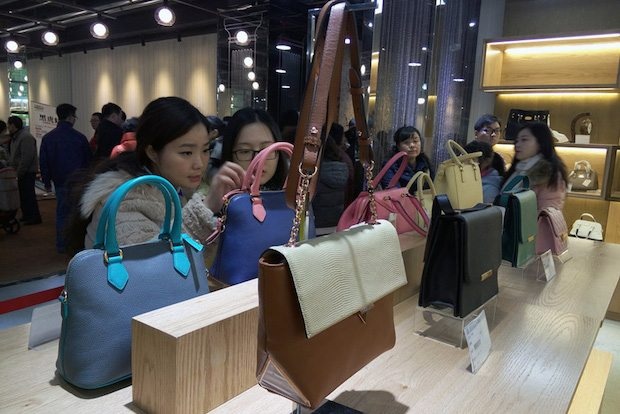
(109, 131)
(488, 129)
(23, 157)
(63, 152)
(95, 119)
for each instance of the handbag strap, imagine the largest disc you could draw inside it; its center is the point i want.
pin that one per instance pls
(253, 175)
(516, 180)
(588, 215)
(106, 229)
(463, 155)
(420, 177)
(399, 156)
(584, 163)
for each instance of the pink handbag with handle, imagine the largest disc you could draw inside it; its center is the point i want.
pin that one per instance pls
(552, 232)
(394, 204)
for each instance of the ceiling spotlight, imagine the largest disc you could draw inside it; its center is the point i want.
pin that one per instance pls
(251, 75)
(363, 69)
(242, 37)
(164, 16)
(458, 80)
(280, 71)
(283, 46)
(11, 46)
(421, 101)
(221, 87)
(255, 86)
(49, 38)
(347, 41)
(18, 64)
(99, 30)
(414, 64)
(370, 24)
(472, 24)
(248, 62)
(286, 86)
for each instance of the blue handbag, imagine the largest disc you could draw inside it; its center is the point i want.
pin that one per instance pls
(251, 222)
(106, 286)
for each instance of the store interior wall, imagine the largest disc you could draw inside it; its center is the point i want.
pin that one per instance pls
(130, 76)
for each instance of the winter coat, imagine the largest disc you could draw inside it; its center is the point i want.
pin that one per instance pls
(128, 143)
(420, 165)
(23, 153)
(328, 203)
(491, 184)
(546, 195)
(63, 151)
(141, 213)
(108, 136)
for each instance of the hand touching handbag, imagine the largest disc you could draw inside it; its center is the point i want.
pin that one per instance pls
(583, 177)
(108, 285)
(587, 229)
(459, 177)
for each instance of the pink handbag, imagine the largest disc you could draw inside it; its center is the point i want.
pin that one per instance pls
(552, 232)
(394, 204)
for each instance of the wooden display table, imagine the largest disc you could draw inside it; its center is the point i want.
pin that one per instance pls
(541, 341)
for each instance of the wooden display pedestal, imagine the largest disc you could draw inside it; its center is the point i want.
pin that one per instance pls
(195, 355)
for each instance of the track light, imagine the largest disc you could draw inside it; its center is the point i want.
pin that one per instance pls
(255, 86)
(49, 38)
(251, 75)
(248, 62)
(164, 16)
(11, 46)
(18, 64)
(242, 37)
(99, 30)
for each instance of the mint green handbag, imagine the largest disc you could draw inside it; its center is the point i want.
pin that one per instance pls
(520, 221)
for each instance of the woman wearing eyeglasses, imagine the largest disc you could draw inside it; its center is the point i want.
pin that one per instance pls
(247, 133)
(488, 129)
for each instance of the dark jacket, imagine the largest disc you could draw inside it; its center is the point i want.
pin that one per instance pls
(23, 154)
(63, 151)
(422, 164)
(328, 203)
(108, 136)
(499, 164)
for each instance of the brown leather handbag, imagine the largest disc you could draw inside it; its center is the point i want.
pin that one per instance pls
(324, 313)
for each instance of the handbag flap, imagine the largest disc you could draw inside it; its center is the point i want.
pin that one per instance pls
(528, 223)
(556, 219)
(483, 246)
(337, 275)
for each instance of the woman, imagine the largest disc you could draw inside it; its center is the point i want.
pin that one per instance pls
(536, 158)
(409, 140)
(247, 133)
(172, 141)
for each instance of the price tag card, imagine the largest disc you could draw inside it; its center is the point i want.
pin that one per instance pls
(478, 341)
(548, 265)
(45, 325)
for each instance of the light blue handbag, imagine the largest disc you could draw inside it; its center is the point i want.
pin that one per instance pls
(105, 287)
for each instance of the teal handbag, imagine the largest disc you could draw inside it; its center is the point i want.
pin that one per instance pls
(520, 221)
(106, 286)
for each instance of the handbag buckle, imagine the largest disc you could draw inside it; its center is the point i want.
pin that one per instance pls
(106, 259)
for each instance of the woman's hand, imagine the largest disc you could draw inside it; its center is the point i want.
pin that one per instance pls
(229, 177)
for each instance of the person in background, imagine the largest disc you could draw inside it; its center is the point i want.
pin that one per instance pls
(128, 140)
(337, 133)
(352, 144)
(109, 131)
(488, 129)
(409, 140)
(172, 142)
(64, 151)
(535, 157)
(23, 157)
(5, 142)
(491, 180)
(95, 119)
(247, 133)
(215, 127)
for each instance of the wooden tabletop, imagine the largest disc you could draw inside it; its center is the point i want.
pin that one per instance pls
(541, 339)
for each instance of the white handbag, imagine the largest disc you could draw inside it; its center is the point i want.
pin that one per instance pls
(587, 229)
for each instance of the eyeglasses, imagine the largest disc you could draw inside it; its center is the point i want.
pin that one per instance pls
(492, 131)
(248, 154)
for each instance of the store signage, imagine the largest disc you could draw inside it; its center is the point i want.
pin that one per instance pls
(478, 341)
(548, 265)
(43, 119)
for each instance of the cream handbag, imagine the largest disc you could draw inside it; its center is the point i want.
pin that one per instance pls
(459, 177)
(424, 196)
(587, 229)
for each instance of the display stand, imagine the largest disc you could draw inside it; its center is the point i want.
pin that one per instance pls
(329, 407)
(441, 324)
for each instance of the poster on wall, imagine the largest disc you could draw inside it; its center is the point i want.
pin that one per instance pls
(43, 119)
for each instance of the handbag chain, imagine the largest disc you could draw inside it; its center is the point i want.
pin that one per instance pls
(371, 191)
(300, 203)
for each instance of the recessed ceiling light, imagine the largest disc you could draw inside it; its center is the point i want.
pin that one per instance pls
(18, 64)
(221, 87)
(286, 86)
(11, 46)
(255, 86)
(280, 71)
(242, 37)
(49, 38)
(282, 46)
(248, 62)
(99, 30)
(251, 75)
(165, 16)
(414, 64)
(458, 80)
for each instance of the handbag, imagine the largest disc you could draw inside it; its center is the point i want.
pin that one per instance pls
(459, 177)
(325, 308)
(462, 256)
(251, 220)
(552, 232)
(393, 203)
(583, 177)
(424, 197)
(106, 286)
(587, 229)
(519, 117)
(520, 221)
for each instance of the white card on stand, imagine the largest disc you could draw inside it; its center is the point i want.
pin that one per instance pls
(478, 341)
(45, 324)
(547, 261)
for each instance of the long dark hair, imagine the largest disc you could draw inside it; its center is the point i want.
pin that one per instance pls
(544, 137)
(237, 122)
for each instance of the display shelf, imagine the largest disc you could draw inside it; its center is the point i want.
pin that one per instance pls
(562, 62)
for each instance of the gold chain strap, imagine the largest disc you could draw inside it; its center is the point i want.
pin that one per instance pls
(300, 204)
(368, 167)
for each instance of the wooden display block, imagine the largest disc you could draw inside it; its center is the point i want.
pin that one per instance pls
(193, 356)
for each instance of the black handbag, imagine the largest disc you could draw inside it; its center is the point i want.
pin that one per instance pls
(519, 117)
(463, 253)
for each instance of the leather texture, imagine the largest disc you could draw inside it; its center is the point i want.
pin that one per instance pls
(394, 204)
(95, 340)
(583, 177)
(587, 229)
(462, 256)
(352, 284)
(459, 177)
(520, 222)
(552, 232)
(254, 221)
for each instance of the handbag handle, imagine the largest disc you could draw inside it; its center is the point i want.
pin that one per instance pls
(585, 163)
(463, 155)
(588, 215)
(106, 229)
(252, 177)
(399, 156)
(420, 177)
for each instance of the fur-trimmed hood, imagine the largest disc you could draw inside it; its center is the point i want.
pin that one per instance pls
(539, 174)
(98, 191)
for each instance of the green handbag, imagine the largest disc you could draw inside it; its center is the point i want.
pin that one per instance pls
(520, 221)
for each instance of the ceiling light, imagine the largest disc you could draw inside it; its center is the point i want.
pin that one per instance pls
(164, 16)
(286, 86)
(49, 38)
(363, 69)
(221, 87)
(242, 37)
(458, 80)
(414, 64)
(347, 41)
(370, 24)
(421, 101)
(282, 46)
(472, 24)
(251, 75)
(280, 71)
(255, 86)
(11, 46)
(18, 64)
(99, 30)
(248, 62)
